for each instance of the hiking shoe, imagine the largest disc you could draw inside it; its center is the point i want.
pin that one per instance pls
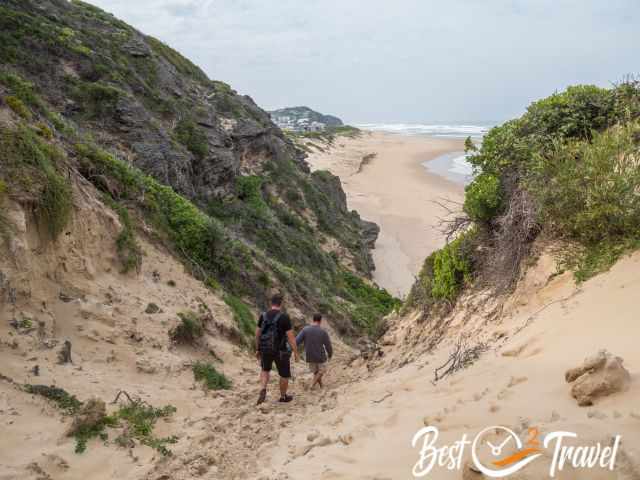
(262, 397)
(286, 399)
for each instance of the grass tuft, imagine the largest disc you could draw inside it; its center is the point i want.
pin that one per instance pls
(210, 377)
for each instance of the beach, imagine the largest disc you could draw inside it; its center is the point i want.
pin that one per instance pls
(386, 181)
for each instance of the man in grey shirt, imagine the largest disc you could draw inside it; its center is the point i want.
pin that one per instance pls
(318, 349)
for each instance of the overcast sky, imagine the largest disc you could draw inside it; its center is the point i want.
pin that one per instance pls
(398, 60)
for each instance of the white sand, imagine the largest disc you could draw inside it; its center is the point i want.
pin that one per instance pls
(398, 193)
(525, 388)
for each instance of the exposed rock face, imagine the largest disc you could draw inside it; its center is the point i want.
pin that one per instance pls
(109, 95)
(600, 375)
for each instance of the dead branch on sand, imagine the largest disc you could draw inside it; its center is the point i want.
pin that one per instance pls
(461, 357)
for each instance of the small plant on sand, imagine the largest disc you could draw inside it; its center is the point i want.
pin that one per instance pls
(64, 401)
(210, 377)
(189, 330)
(140, 419)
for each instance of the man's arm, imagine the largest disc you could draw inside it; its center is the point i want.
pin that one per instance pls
(294, 347)
(300, 337)
(327, 345)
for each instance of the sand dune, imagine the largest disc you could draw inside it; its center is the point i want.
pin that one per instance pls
(518, 383)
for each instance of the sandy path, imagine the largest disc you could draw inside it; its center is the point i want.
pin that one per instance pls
(394, 190)
(518, 383)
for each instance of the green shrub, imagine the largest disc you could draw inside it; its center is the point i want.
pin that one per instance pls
(63, 400)
(141, 418)
(44, 131)
(129, 252)
(55, 204)
(210, 377)
(23, 90)
(248, 189)
(18, 107)
(451, 269)
(574, 113)
(191, 136)
(33, 165)
(97, 99)
(243, 317)
(588, 194)
(482, 198)
(189, 330)
(369, 302)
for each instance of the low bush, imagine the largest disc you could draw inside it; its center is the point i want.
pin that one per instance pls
(248, 189)
(191, 136)
(129, 252)
(210, 377)
(452, 268)
(243, 317)
(370, 303)
(97, 99)
(63, 400)
(189, 330)
(588, 192)
(18, 107)
(482, 198)
(55, 203)
(141, 418)
(33, 164)
(443, 275)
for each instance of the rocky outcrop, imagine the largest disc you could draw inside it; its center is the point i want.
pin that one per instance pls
(112, 99)
(600, 375)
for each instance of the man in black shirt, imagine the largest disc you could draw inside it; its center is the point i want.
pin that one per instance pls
(273, 334)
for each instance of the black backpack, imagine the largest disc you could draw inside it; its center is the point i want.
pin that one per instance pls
(269, 334)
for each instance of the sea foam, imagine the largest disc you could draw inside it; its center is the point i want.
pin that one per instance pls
(435, 130)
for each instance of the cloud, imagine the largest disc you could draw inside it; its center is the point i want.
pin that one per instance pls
(401, 60)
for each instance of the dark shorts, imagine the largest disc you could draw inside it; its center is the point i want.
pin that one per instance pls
(283, 363)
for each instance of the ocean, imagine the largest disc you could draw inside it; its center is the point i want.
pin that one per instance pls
(454, 165)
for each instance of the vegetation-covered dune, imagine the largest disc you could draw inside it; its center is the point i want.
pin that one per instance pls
(568, 170)
(184, 157)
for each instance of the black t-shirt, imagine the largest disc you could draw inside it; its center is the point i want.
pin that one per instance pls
(284, 325)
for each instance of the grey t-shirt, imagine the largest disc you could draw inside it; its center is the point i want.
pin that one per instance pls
(317, 344)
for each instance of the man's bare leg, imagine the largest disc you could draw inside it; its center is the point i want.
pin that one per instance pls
(284, 385)
(264, 380)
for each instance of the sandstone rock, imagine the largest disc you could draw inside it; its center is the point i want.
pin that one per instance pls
(136, 48)
(599, 376)
(145, 366)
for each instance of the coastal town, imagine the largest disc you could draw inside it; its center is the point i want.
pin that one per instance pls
(303, 119)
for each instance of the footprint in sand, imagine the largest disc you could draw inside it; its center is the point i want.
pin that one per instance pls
(521, 350)
(516, 381)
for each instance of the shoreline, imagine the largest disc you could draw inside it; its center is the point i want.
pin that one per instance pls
(396, 191)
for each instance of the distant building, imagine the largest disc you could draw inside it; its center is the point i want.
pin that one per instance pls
(287, 122)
